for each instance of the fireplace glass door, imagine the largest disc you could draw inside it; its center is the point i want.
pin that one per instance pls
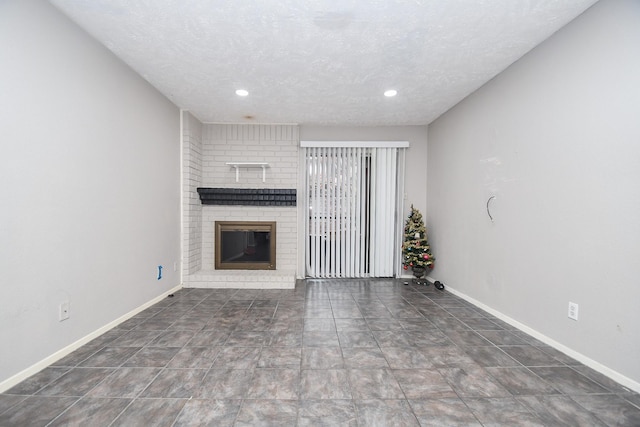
(245, 245)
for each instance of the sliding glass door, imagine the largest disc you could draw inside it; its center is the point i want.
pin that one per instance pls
(352, 208)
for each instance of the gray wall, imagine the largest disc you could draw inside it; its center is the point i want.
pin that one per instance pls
(90, 193)
(556, 138)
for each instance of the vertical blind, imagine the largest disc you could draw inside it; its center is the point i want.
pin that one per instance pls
(351, 209)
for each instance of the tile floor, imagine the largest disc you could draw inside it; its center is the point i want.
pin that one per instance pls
(329, 353)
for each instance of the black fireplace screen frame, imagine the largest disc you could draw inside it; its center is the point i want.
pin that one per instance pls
(233, 226)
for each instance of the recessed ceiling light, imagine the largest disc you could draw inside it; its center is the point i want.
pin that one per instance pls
(242, 92)
(391, 92)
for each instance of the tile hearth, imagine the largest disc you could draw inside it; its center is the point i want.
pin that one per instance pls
(341, 352)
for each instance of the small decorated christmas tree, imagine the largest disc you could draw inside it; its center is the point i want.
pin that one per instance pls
(416, 252)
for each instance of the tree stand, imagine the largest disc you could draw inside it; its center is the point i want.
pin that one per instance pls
(419, 272)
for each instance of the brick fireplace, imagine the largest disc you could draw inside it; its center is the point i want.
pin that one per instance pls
(208, 151)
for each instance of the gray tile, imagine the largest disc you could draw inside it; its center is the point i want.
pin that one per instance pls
(427, 338)
(601, 379)
(125, 382)
(76, 382)
(175, 383)
(194, 357)
(319, 325)
(466, 313)
(327, 413)
(255, 350)
(560, 356)
(320, 339)
(521, 381)
(280, 357)
(406, 358)
(347, 313)
(254, 324)
(393, 338)
(324, 384)
(528, 338)
(346, 325)
(466, 338)
(35, 411)
(558, 410)
(374, 384)
(447, 356)
(420, 324)
(275, 384)
(318, 313)
(209, 338)
(285, 338)
(480, 324)
(444, 412)
(248, 338)
(10, 400)
(612, 409)
(188, 324)
(172, 339)
(135, 339)
(150, 412)
(384, 413)
(503, 411)
(110, 357)
(423, 384)
(502, 337)
(288, 313)
(226, 384)
(405, 313)
(356, 339)
(490, 356)
(223, 324)
(568, 381)
(529, 355)
(267, 413)
(384, 324)
(92, 411)
(131, 323)
(633, 398)
(154, 324)
(473, 382)
(447, 322)
(364, 358)
(76, 357)
(152, 356)
(376, 312)
(263, 302)
(212, 413)
(322, 358)
(37, 381)
(237, 358)
(106, 338)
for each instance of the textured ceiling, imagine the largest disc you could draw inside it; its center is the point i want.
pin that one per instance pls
(320, 61)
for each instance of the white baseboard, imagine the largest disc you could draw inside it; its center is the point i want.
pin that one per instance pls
(37, 367)
(604, 370)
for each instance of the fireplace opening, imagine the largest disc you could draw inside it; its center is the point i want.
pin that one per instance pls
(245, 245)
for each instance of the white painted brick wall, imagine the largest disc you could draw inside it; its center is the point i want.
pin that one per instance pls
(204, 164)
(191, 207)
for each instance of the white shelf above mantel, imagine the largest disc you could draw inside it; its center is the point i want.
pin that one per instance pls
(238, 165)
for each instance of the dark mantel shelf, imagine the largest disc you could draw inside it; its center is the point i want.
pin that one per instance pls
(247, 196)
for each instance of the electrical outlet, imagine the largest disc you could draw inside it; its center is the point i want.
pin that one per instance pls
(64, 311)
(573, 311)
